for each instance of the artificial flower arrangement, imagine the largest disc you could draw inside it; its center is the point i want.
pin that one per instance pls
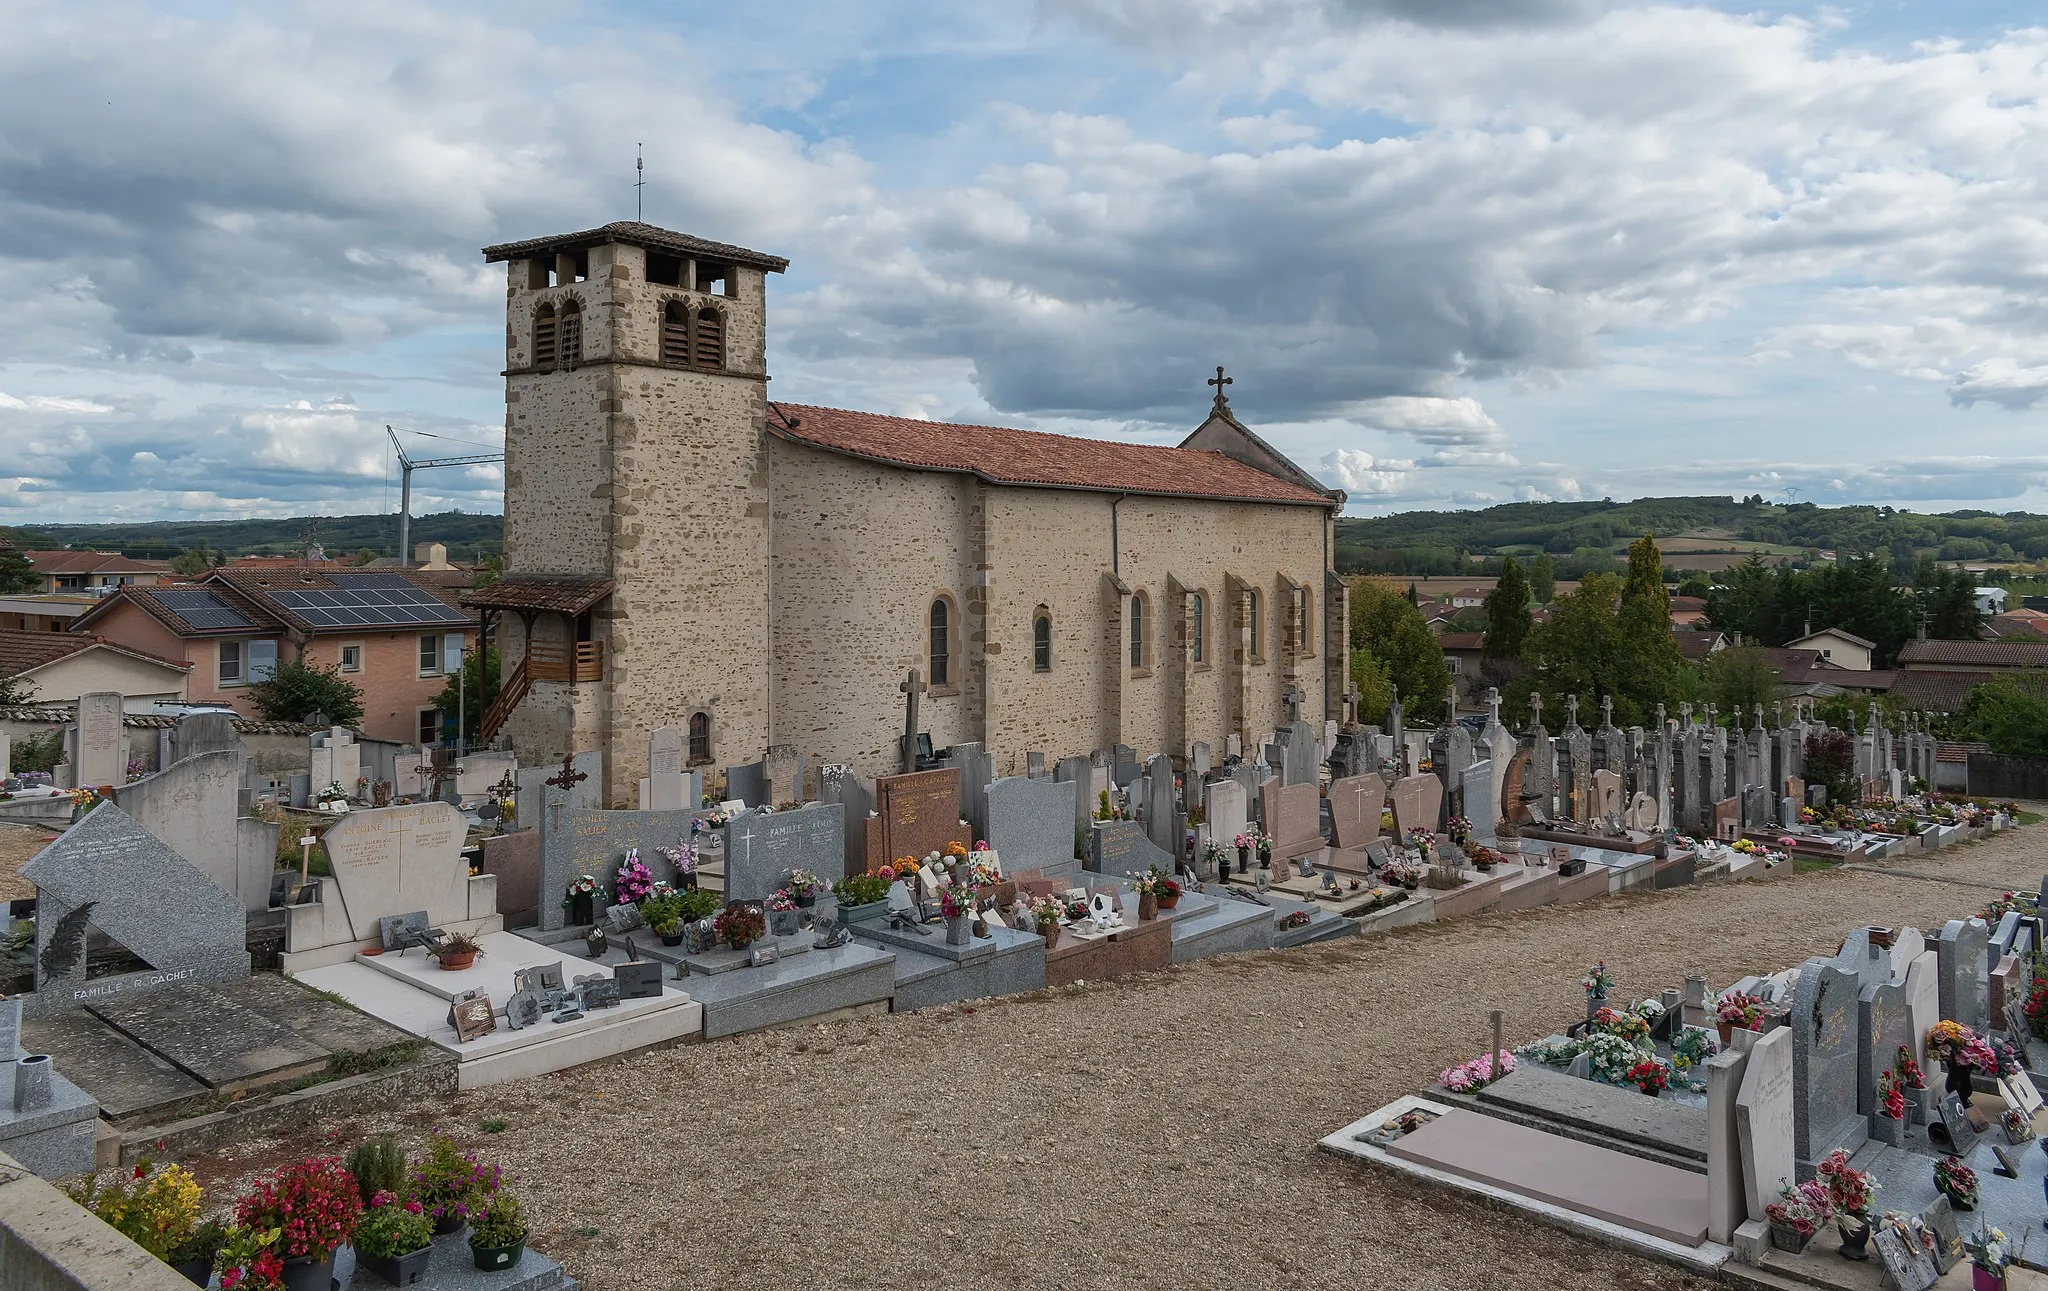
(1947, 1039)
(634, 880)
(1693, 1047)
(779, 902)
(1402, 873)
(805, 886)
(1076, 906)
(957, 850)
(958, 901)
(1739, 1009)
(1849, 1190)
(2019, 1127)
(1047, 912)
(1459, 829)
(1555, 1052)
(1155, 883)
(1421, 839)
(1609, 1058)
(1476, 1073)
(449, 1181)
(1891, 1099)
(1629, 1026)
(2037, 1007)
(157, 1209)
(2005, 1058)
(1802, 1209)
(1989, 1249)
(1650, 1075)
(1957, 1182)
(984, 869)
(682, 858)
(1909, 1073)
(739, 925)
(1648, 1010)
(863, 889)
(1598, 981)
(583, 885)
(313, 1204)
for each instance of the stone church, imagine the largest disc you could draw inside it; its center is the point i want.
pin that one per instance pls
(683, 550)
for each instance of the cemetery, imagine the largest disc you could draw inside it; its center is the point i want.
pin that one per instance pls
(210, 953)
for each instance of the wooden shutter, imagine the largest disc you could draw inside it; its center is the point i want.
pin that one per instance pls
(544, 337)
(675, 334)
(709, 348)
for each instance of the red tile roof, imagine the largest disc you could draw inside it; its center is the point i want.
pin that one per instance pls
(23, 651)
(563, 595)
(1030, 458)
(1938, 692)
(1462, 641)
(1977, 654)
(92, 562)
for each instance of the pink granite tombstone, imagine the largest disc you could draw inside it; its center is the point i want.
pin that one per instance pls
(1418, 801)
(1355, 810)
(1293, 817)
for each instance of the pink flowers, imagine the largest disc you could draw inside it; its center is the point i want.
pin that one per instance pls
(314, 1205)
(1477, 1072)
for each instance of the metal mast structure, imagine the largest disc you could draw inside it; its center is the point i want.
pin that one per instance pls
(406, 466)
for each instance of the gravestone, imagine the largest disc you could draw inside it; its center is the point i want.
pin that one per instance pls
(1355, 804)
(335, 758)
(1031, 822)
(97, 756)
(1225, 811)
(1642, 814)
(1300, 765)
(747, 783)
(1758, 808)
(1250, 777)
(1884, 1023)
(976, 767)
(1728, 820)
(1481, 799)
(783, 770)
(1923, 1001)
(1765, 1119)
(194, 805)
(1727, 1201)
(1123, 766)
(1955, 1125)
(1417, 803)
(915, 815)
(534, 789)
(1120, 847)
(389, 861)
(594, 842)
(1162, 814)
(108, 873)
(198, 733)
(1606, 794)
(1963, 947)
(762, 848)
(1079, 772)
(1293, 818)
(839, 783)
(666, 784)
(1824, 1066)
(1034, 766)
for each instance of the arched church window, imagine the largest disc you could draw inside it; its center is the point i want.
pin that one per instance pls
(544, 337)
(708, 347)
(1041, 641)
(1138, 630)
(941, 653)
(1197, 612)
(572, 334)
(700, 737)
(1251, 606)
(675, 332)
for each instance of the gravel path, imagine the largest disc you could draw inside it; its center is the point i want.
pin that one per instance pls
(1155, 1132)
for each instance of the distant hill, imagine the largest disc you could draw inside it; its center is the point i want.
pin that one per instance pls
(467, 536)
(1704, 533)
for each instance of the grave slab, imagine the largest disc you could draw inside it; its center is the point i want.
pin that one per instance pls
(129, 1081)
(1609, 1110)
(790, 990)
(1227, 927)
(218, 1042)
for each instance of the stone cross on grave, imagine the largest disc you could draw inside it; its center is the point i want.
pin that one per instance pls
(1535, 710)
(1660, 714)
(568, 777)
(1351, 698)
(1293, 695)
(1606, 711)
(1759, 717)
(1685, 713)
(1571, 711)
(437, 769)
(912, 686)
(1222, 400)
(1778, 713)
(1713, 717)
(1493, 704)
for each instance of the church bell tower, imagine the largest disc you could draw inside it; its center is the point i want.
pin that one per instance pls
(636, 502)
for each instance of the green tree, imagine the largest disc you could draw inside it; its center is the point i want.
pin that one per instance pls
(12, 690)
(1385, 623)
(37, 752)
(16, 573)
(489, 570)
(1542, 579)
(479, 687)
(1695, 585)
(1507, 613)
(2008, 713)
(192, 562)
(1951, 607)
(299, 689)
(1369, 678)
(1739, 678)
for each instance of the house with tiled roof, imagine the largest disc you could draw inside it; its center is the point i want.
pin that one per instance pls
(58, 667)
(683, 550)
(394, 635)
(87, 571)
(1938, 676)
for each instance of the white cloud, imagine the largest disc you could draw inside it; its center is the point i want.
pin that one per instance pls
(1269, 131)
(1360, 474)
(2001, 381)
(49, 403)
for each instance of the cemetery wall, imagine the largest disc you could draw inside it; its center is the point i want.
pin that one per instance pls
(1994, 775)
(49, 1242)
(96, 670)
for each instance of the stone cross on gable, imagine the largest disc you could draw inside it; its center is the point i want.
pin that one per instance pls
(1606, 711)
(1219, 381)
(1293, 695)
(1660, 714)
(912, 686)
(1685, 712)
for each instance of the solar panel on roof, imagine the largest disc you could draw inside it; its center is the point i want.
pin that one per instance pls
(390, 601)
(202, 609)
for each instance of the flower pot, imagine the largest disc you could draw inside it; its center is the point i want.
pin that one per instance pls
(805, 903)
(498, 1257)
(310, 1273)
(1244, 859)
(1595, 1001)
(1787, 1238)
(1148, 906)
(863, 913)
(1855, 1237)
(197, 1272)
(453, 1222)
(671, 938)
(32, 1082)
(784, 923)
(1727, 1030)
(583, 909)
(956, 930)
(1170, 901)
(398, 1270)
(456, 963)
(1983, 1279)
(1051, 933)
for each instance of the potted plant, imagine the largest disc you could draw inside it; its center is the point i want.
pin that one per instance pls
(313, 1205)
(1798, 1214)
(1169, 892)
(1737, 1009)
(1596, 983)
(682, 858)
(155, 1208)
(497, 1238)
(581, 899)
(1148, 886)
(1045, 913)
(782, 916)
(1651, 1076)
(740, 925)
(1265, 850)
(862, 896)
(458, 951)
(957, 902)
(1989, 1257)
(1957, 1182)
(664, 916)
(1849, 1191)
(634, 881)
(248, 1260)
(1693, 1047)
(806, 887)
(1422, 840)
(395, 1240)
(449, 1183)
(194, 1256)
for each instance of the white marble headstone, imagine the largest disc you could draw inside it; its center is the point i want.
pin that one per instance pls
(1763, 1118)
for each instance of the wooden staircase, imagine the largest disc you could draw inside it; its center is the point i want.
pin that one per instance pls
(572, 662)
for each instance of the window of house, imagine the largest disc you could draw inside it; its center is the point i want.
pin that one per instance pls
(430, 654)
(351, 658)
(544, 337)
(1041, 641)
(230, 663)
(1197, 612)
(572, 334)
(708, 346)
(675, 332)
(941, 655)
(430, 726)
(262, 660)
(1138, 630)
(452, 646)
(700, 737)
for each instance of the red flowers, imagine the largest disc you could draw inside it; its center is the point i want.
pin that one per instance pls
(314, 1205)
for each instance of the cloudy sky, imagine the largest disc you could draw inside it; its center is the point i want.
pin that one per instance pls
(1453, 252)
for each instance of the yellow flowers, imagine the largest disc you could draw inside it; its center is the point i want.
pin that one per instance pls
(157, 1211)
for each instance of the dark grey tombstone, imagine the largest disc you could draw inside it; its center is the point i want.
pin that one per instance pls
(761, 849)
(1941, 1219)
(1162, 814)
(1962, 952)
(301, 790)
(1079, 772)
(1031, 822)
(1120, 847)
(574, 842)
(1955, 1126)
(748, 783)
(1906, 1266)
(1756, 807)
(523, 1009)
(1823, 1024)
(198, 733)
(1123, 768)
(1883, 1025)
(397, 931)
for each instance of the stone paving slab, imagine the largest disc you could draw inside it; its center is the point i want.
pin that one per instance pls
(325, 1022)
(127, 1079)
(1626, 1114)
(217, 1041)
